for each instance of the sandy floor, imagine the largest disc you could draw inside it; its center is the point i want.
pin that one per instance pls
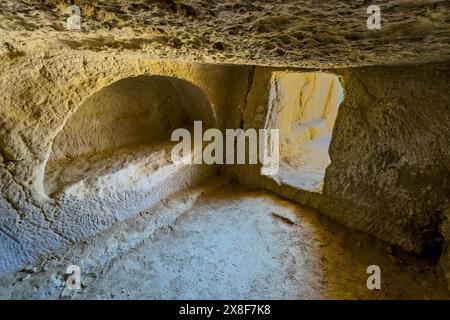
(238, 244)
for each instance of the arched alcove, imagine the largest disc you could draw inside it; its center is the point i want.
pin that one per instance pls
(129, 119)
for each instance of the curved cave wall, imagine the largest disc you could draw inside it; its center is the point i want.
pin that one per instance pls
(61, 130)
(130, 111)
(122, 120)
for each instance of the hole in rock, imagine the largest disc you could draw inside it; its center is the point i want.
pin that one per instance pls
(124, 126)
(304, 108)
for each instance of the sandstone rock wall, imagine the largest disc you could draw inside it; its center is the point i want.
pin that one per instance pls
(389, 151)
(40, 94)
(390, 161)
(131, 111)
(395, 123)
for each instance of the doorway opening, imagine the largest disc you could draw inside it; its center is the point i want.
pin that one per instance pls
(304, 107)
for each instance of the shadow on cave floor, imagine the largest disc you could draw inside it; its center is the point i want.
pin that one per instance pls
(234, 243)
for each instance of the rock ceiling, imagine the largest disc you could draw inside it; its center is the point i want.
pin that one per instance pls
(295, 33)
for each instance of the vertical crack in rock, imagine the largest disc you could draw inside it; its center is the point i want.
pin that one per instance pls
(250, 79)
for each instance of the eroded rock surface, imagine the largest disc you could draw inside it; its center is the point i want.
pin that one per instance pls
(30, 129)
(65, 178)
(300, 33)
(388, 152)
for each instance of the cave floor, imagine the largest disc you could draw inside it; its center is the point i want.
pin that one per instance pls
(235, 243)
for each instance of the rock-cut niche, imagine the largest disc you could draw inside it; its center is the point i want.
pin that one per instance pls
(129, 119)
